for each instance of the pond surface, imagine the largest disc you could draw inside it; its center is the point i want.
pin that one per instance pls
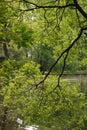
(81, 79)
(31, 128)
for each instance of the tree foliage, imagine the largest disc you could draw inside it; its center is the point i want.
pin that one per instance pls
(43, 36)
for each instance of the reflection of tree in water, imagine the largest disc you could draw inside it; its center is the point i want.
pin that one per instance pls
(81, 79)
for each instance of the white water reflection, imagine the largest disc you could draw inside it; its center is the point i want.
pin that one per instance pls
(28, 127)
(31, 128)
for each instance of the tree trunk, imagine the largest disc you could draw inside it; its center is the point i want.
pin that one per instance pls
(4, 119)
(5, 50)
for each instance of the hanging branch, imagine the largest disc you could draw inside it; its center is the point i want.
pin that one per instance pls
(65, 51)
(79, 8)
(60, 75)
(76, 6)
(36, 6)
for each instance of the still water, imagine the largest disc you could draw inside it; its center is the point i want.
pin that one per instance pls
(80, 79)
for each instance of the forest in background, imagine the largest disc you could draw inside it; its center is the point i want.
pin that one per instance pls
(40, 40)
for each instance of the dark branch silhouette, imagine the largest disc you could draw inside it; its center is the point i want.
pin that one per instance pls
(36, 6)
(78, 7)
(65, 51)
(75, 5)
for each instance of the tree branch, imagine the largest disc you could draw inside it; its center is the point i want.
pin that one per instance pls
(65, 51)
(36, 6)
(60, 75)
(44, 7)
(80, 9)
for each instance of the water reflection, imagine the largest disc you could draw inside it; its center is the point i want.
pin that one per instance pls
(31, 128)
(28, 127)
(81, 79)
